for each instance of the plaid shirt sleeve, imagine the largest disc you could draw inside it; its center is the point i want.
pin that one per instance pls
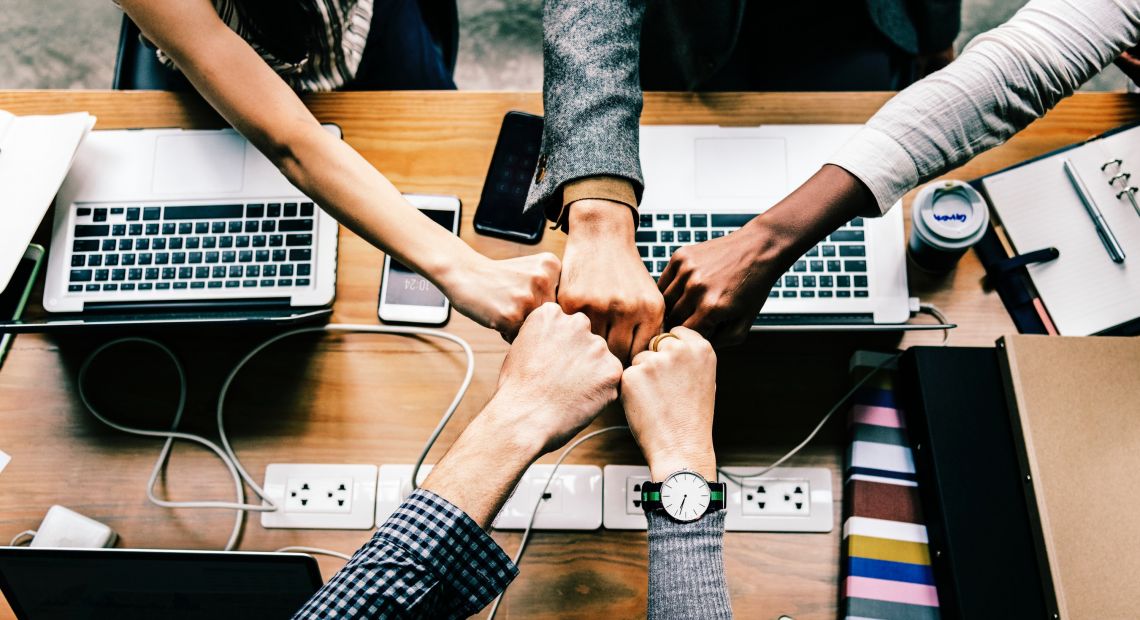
(429, 559)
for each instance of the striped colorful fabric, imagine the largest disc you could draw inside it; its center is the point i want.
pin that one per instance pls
(886, 562)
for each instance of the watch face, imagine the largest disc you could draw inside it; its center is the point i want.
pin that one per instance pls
(685, 496)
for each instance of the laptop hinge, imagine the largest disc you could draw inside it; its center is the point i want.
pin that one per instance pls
(814, 319)
(219, 305)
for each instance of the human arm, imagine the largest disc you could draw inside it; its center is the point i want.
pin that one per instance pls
(237, 82)
(1007, 78)
(668, 396)
(589, 176)
(432, 558)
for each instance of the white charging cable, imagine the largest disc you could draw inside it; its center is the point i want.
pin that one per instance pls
(225, 452)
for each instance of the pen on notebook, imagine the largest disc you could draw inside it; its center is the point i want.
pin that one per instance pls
(1115, 252)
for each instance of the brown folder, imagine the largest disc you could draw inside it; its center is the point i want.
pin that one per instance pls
(1075, 404)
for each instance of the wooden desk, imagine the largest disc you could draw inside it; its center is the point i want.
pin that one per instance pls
(370, 399)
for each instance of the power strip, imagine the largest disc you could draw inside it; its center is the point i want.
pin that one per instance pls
(573, 499)
(315, 496)
(786, 499)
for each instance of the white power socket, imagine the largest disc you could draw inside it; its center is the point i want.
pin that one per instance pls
(311, 496)
(573, 500)
(788, 499)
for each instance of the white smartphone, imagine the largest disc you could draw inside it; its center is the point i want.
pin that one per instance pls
(406, 296)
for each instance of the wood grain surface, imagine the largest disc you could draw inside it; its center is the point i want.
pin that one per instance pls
(374, 399)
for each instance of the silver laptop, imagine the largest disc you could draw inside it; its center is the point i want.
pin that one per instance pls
(159, 221)
(705, 181)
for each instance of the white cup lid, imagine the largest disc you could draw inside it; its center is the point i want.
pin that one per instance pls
(951, 214)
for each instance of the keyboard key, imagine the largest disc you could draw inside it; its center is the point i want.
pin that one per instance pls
(303, 270)
(134, 230)
(661, 265)
(85, 245)
(108, 245)
(96, 260)
(861, 293)
(111, 287)
(218, 272)
(298, 240)
(273, 209)
(731, 220)
(816, 265)
(302, 281)
(846, 235)
(700, 235)
(185, 228)
(245, 256)
(181, 285)
(252, 271)
(852, 250)
(132, 214)
(142, 244)
(294, 225)
(717, 234)
(807, 294)
(856, 223)
(659, 251)
(856, 265)
(843, 281)
(145, 286)
(680, 220)
(218, 228)
(267, 283)
(234, 227)
(178, 258)
(773, 294)
(185, 273)
(203, 212)
(826, 294)
(258, 241)
(127, 259)
(78, 260)
(787, 293)
(81, 275)
(278, 255)
(248, 283)
(225, 242)
(645, 221)
(82, 212)
(261, 256)
(643, 251)
(92, 230)
(91, 287)
(201, 228)
(307, 207)
(159, 244)
(284, 282)
(74, 288)
(826, 281)
(126, 244)
(684, 236)
(209, 242)
(152, 213)
(813, 252)
(119, 230)
(255, 210)
(151, 273)
(269, 270)
(242, 241)
(641, 236)
(833, 265)
(306, 255)
(100, 215)
(235, 271)
(169, 228)
(808, 281)
(169, 273)
(275, 241)
(269, 226)
(673, 249)
(127, 286)
(197, 284)
(146, 258)
(860, 281)
(192, 243)
(232, 283)
(801, 265)
(134, 274)
(290, 209)
(828, 250)
(252, 227)
(214, 284)
(287, 270)
(667, 236)
(212, 257)
(842, 293)
(194, 258)
(791, 281)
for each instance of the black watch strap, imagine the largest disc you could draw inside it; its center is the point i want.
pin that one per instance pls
(651, 497)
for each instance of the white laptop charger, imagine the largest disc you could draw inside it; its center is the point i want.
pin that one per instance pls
(66, 528)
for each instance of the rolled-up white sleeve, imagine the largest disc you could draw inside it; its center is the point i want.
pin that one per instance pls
(1006, 79)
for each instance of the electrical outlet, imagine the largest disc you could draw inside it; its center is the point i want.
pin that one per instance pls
(393, 486)
(573, 500)
(621, 502)
(758, 507)
(785, 499)
(312, 496)
(775, 497)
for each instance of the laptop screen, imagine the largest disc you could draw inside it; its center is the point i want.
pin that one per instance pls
(44, 584)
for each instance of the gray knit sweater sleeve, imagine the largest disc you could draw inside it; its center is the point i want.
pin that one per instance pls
(591, 96)
(686, 568)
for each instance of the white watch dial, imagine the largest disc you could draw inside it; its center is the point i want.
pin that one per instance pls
(685, 496)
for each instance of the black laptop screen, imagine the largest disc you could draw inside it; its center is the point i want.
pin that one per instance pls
(44, 584)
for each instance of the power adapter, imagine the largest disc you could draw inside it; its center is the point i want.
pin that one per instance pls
(66, 528)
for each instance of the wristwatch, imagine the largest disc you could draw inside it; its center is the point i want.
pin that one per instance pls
(685, 496)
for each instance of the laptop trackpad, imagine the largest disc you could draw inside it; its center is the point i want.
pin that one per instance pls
(742, 168)
(199, 164)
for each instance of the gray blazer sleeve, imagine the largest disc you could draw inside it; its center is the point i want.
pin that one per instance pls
(686, 568)
(591, 96)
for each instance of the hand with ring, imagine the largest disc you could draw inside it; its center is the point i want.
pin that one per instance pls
(668, 394)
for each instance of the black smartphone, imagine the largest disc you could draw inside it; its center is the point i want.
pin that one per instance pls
(500, 212)
(15, 295)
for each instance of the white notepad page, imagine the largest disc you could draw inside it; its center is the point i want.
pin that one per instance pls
(1083, 290)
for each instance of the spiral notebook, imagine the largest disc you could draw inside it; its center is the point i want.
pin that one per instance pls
(1083, 290)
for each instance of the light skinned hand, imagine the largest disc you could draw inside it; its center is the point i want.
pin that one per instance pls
(668, 397)
(501, 294)
(556, 377)
(603, 277)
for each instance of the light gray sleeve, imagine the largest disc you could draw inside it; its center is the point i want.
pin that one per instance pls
(1006, 79)
(591, 96)
(686, 568)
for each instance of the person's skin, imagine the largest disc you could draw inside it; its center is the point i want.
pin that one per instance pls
(555, 380)
(718, 286)
(235, 80)
(604, 278)
(668, 397)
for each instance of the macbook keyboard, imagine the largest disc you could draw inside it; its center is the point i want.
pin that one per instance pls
(834, 268)
(256, 245)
